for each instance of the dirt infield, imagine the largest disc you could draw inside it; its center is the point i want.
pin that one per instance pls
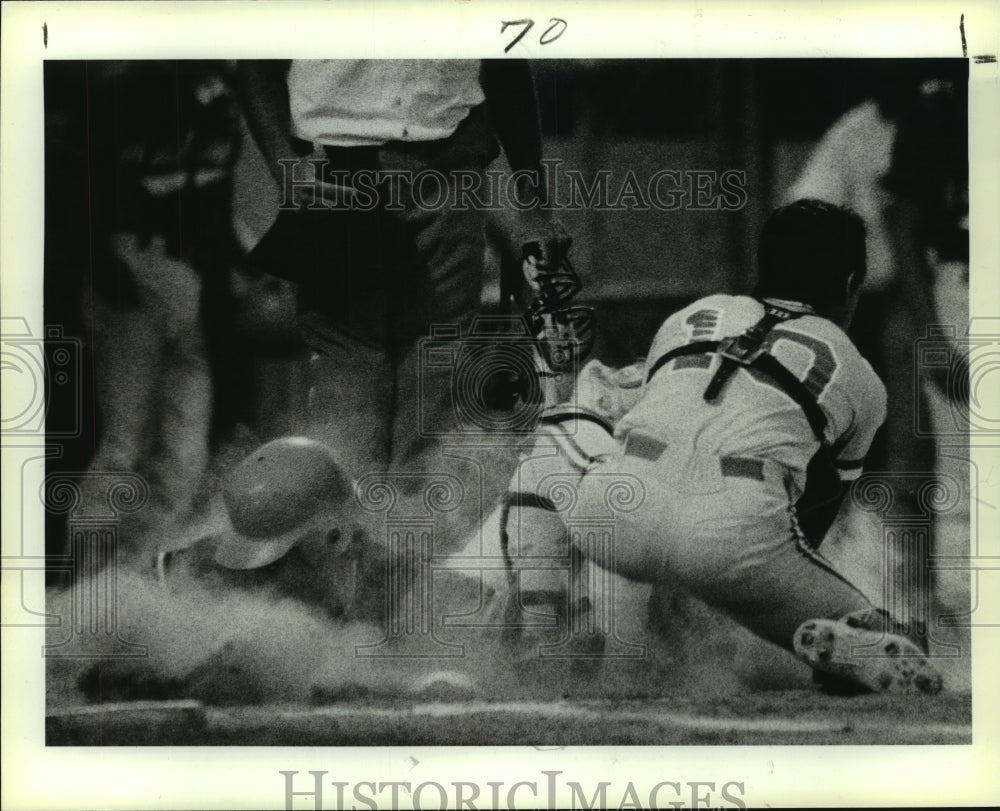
(774, 718)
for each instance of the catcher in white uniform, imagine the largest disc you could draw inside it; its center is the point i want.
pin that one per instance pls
(739, 396)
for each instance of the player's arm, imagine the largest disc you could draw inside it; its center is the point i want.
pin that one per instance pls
(510, 98)
(824, 495)
(263, 92)
(851, 448)
(833, 469)
(830, 476)
(262, 87)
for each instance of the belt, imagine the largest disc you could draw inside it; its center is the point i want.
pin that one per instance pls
(471, 146)
(344, 158)
(741, 467)
(651, 449)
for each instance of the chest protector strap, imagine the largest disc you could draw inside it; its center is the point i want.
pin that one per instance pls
(747, 350)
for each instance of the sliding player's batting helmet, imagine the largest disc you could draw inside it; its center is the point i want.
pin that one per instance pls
(276, 497)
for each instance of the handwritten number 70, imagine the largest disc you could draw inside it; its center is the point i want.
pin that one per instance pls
(551, 34)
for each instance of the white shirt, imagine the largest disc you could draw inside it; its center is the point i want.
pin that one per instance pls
(366, 102)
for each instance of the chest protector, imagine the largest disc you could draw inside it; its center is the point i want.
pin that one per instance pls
(747, 350)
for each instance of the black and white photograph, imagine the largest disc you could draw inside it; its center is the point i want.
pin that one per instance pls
(604, 417)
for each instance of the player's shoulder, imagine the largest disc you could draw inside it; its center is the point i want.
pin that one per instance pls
(850, 155)
(853, 370)
(828, 331)
(707, 314)
(708, 318)
(718, 302)
(721, 300)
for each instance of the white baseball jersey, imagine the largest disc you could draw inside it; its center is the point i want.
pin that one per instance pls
(752, 416)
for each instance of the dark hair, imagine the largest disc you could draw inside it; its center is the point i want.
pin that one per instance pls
(807, 251)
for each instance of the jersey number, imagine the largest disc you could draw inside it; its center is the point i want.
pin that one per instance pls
(703, 324)
(821, 369)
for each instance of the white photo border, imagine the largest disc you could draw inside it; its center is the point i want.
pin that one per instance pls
(248, 777)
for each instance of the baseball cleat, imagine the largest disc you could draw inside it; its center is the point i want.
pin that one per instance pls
(879, 661)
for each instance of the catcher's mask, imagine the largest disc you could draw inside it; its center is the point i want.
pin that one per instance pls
(282, 493)
(567, 331)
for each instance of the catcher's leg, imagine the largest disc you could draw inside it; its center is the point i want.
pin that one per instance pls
(831, 626)
(548, 601)
(723, 530)
(797, 599)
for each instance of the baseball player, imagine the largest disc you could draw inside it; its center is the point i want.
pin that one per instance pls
(901, 161)
(740, 396)
(293, 533)
(291, 530)
(295, 530)
(377, 268)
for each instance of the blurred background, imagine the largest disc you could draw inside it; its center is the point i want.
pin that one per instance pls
(208, 357)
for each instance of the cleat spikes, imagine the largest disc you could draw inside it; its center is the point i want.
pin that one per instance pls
(873, 659)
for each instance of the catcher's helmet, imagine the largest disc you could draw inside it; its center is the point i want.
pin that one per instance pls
(276, 497)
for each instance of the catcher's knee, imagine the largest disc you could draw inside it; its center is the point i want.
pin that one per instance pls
(568, 443)
(569, 440)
